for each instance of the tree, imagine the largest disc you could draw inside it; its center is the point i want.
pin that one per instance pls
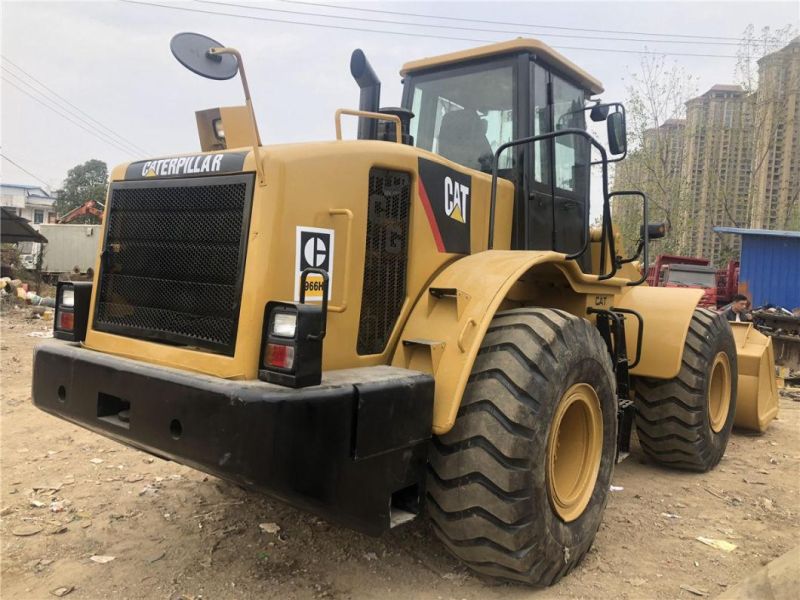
(657, 95)
(698, 158)
(754, 46)
(88, 181)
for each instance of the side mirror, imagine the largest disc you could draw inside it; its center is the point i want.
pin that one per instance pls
(194, 51)
(655, 231)
(617, 135)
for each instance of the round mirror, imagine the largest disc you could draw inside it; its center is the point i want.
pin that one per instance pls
(191, 50)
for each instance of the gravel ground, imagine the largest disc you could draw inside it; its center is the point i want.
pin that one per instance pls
(69, 495)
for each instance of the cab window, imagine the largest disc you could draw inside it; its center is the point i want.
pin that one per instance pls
(541, 122)
(570, 150)
(465, 114)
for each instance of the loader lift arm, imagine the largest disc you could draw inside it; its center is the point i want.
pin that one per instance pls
(90, 207)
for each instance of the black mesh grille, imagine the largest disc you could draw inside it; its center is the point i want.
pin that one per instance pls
(386, 258)
(173, 260)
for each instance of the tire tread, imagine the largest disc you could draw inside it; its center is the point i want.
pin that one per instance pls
(671, 414)
(479, 478)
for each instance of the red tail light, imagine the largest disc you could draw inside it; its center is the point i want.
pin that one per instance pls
(279, 355)
(66, 321)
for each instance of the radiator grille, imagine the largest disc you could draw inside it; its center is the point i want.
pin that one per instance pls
(173, 260)
(386, 258)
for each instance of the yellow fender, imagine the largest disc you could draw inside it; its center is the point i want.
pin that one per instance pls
(447, 325)
(666, 313)
(444, 331)
(757, 398)
(443, 334)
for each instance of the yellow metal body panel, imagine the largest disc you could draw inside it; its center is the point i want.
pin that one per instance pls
(443, 334)
(321, 185)
(482, 281)
(757, 391)
(544, 52)
(667, 313)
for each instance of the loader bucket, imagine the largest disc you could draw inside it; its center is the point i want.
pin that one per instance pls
(757, 399)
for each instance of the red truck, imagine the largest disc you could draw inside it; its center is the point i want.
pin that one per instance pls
(685, 271)
(720, 285)
(727, 283)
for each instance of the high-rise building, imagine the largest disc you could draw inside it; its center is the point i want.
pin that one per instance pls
(734, 160)
(775, 186)
(716, 163)
(667, 141)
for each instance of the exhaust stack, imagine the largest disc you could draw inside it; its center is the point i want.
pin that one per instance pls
(370, 97)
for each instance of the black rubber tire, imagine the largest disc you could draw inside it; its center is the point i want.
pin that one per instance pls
(487, 491)
(672, 415)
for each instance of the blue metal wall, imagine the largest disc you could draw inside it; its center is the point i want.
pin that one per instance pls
(770, 270)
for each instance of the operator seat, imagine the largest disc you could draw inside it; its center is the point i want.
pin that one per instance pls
(462, 139)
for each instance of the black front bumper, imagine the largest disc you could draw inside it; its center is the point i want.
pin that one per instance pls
(346, 449)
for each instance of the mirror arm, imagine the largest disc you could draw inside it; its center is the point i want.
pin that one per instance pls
(257, 137)
(644, 242)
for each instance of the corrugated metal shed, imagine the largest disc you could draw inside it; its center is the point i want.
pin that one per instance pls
(770, 266)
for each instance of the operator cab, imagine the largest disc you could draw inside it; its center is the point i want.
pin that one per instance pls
(467, 104)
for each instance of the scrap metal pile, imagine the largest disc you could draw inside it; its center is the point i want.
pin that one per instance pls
(783, 326)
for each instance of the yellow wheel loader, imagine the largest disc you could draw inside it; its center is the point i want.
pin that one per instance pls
(421, 319)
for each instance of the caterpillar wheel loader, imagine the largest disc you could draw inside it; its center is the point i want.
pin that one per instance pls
(419, 319)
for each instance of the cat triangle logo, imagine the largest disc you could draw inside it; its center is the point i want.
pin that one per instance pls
(456, 214)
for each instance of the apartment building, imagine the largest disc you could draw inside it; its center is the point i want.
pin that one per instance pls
(716, 166)
(775, 185)
(734, 161)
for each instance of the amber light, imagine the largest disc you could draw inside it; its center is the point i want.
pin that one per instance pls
(279, 355)
(66, 321)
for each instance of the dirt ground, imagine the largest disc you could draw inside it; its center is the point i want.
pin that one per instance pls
(177, 533)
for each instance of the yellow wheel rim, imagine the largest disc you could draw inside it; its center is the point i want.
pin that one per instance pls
(574, 449)
(719, 392)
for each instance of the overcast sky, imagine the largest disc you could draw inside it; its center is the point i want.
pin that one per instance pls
(112, 61)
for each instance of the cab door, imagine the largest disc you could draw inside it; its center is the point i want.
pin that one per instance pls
(557, 185)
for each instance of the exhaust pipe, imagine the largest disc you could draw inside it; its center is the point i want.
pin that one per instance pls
(370, 97)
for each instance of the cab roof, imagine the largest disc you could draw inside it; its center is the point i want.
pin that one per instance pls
(544, 52)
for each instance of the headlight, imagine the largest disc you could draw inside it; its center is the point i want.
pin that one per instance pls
(219, 130)
(67, 297)
(284, 324)
(291, 344)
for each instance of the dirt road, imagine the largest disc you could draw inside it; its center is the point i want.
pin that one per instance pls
(177, 533)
